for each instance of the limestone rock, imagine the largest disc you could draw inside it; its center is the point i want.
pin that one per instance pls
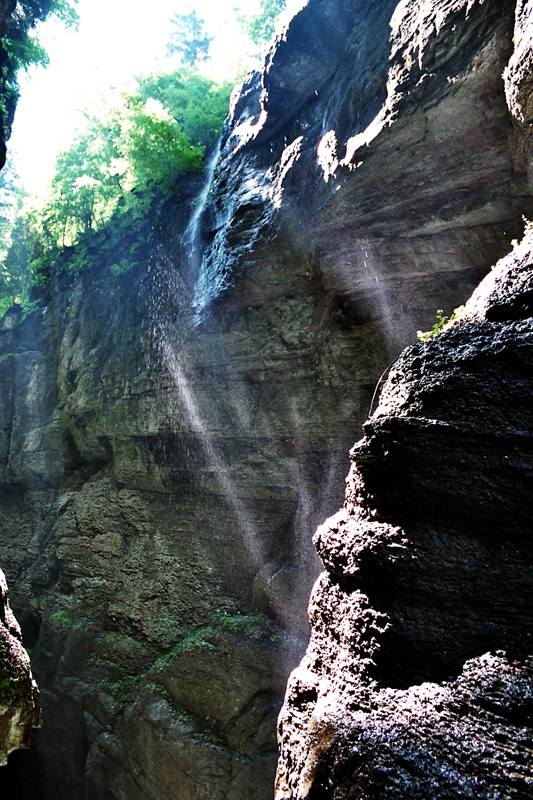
(19, 696)
(519, 85)
(470, 737)
(170, 437)
(376, 141)
(429, 566)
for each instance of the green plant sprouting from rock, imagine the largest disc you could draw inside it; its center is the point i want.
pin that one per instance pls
(442, 324)
(251, 627)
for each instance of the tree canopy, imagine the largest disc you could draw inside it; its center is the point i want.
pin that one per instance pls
(129, 157)
(21, 47)
(260, 27)
(134, 148)
(189, 39)
(123, 164)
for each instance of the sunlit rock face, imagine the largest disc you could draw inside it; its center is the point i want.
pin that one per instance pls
(19, 696)
(171, 437)
(376, 140)
(429, 566)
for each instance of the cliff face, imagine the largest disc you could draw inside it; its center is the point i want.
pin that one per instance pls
(429, 566)
(170, 437)
(418, 677)
(377, 142)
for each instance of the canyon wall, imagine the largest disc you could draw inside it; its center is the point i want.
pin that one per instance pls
(19, 697)
(171, 437)
(418, 678)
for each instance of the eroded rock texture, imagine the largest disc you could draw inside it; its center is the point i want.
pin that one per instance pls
(19, 696)
(170, 437)
(429, 566)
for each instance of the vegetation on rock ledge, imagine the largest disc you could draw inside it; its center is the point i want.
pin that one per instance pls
(128, 160)
(111, 183)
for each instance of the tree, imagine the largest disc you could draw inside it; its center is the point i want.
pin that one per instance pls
(134, 150)
(155, 146)
(125, 162)
(260, 27)
(189, 39)
(197, 104)
(21, 48)
(84, 191)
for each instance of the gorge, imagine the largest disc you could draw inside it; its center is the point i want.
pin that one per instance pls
(172, 437)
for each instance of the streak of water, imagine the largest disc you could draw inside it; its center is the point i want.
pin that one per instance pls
(171, 325)
(191, 407)
(191, 243)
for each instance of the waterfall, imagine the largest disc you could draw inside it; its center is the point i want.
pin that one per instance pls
(192, 236)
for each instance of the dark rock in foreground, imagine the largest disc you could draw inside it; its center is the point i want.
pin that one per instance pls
(169, 439)
(19, 696)
(429, 565)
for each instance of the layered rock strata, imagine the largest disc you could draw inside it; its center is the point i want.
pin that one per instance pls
(170, 437)
(429, 566)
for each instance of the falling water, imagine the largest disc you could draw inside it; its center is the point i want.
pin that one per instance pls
(174, 363)
(171, 324)
(191, 243)
(174, 354)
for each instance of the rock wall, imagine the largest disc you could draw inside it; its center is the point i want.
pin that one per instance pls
(417, 681)
(170, 437)
(19, 696)
(429, 568)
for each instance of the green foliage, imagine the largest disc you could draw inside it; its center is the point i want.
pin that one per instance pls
(254, 627)
(133, 150)
(122, 687)
(198, 105)
(22, 48)
(60, 619)
(154, 146)
(156, 688)
(442, 323)
(121, 267)
(260, 27)
(11, 672)
(14, 276)
(6, 685)
(109, 184)
(188, 39)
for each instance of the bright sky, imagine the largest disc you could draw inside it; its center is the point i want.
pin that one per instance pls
(116, 40)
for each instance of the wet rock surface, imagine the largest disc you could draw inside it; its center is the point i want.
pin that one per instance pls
(169, 438)
(19, 696)
(429, 566)
(470, 737)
